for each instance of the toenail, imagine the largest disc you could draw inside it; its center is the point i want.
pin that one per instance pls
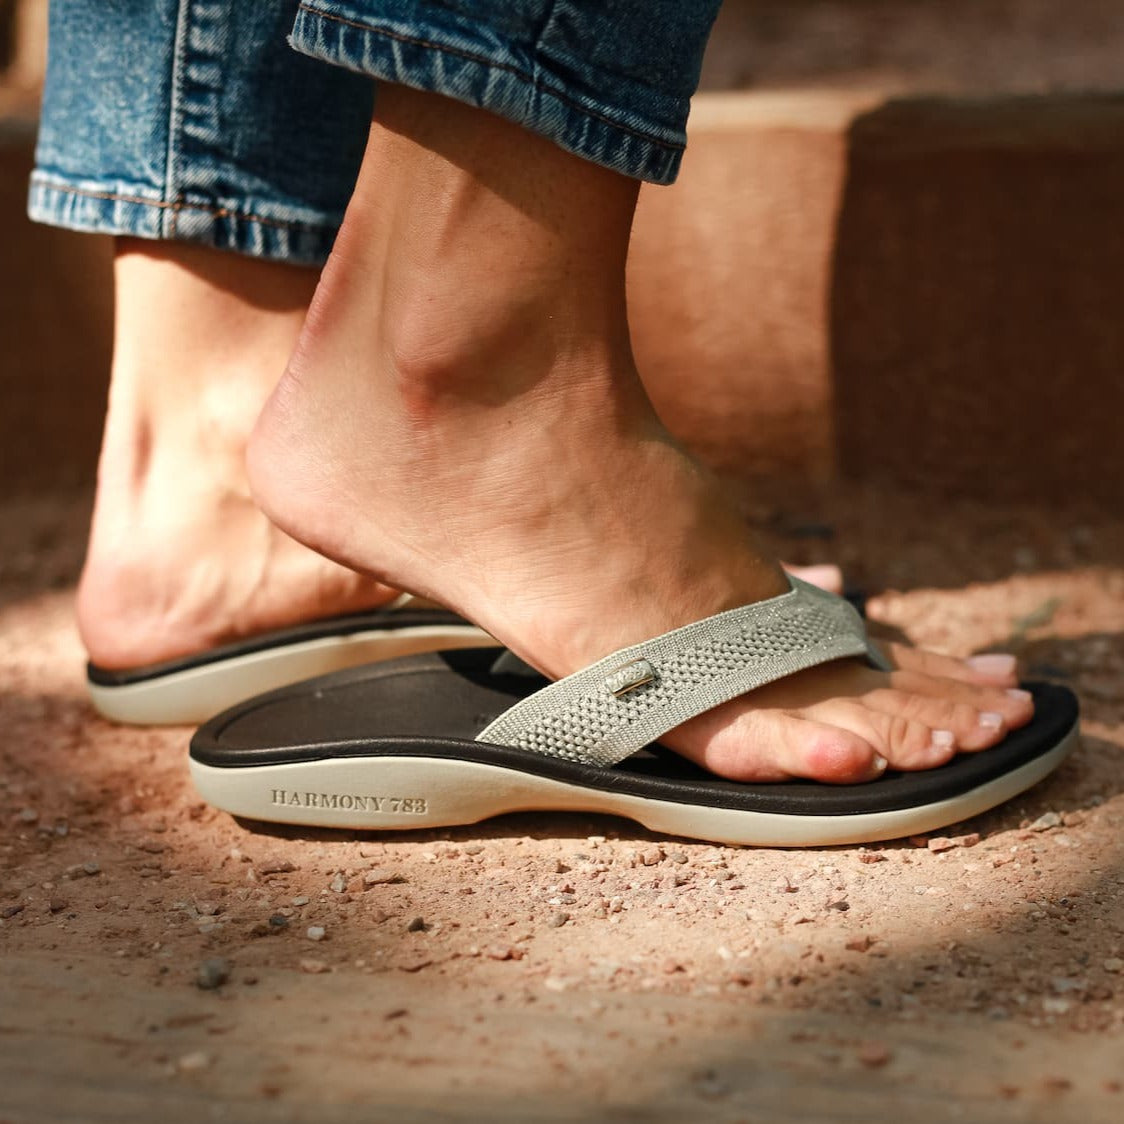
(879, 763)
(1019, 694)
(989, 720)
(993, 663)
(943, 739)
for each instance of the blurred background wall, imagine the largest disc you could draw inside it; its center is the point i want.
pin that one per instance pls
(896, 249)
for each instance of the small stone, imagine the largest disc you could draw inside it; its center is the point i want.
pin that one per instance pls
(314, 967)
(862, 944)
(277, 922)
(57, 905)
(417, 925)
(1054, 1006)
(710, 1086)
(1114, 964)
(300, 900)
(416, 964)
(678, 856)
(380, 876)
(872, 857)
(839, 906)
(316, 932)
(650, 856)
(1056, 1085)
(503, 952)
(193, 1062)
(473, 848)
(212, 973)
(207, 909)
(940, 843)
(560, 867)
(1060, 985)
(559, 919)
(27, 815)
(671, 967)
(1046, 821)
(874, 1054)
(338, 884)
(969, 840)
(276, 866)
(11, 910)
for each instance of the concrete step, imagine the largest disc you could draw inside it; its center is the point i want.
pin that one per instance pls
(841, 283)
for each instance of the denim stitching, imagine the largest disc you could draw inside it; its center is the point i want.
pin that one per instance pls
(175, 117)
(522, 75)
(179, 205)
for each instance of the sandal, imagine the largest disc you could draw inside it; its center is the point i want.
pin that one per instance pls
(452, 738)
(191, 689)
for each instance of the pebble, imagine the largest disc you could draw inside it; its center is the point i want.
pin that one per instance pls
(417, 925)
(11, 910)
(559, 919)
(677, 857)
(840, 906)
(301, 900)
(82, 870)
(380, 876)
(862, 944)
(872, 857)
(57, 905)
(710, 1086)
(1113, 964)
(874, 1054)
(1046, 821)
(316, 932)
(941, 843)
(276, 866)
(650, 856)
(278, 921)
(193, 1062)
(28, 815)
(473, 848)
(503, 952)
(338, 884)
(212, 973)
(313, 966)
(207, 909)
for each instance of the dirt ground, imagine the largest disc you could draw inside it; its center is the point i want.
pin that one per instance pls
(572, 967)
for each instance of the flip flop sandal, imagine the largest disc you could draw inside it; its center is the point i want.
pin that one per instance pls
(453, 738)
(190, 690)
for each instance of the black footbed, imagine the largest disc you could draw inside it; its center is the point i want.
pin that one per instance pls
(431, 706)
(386, 620)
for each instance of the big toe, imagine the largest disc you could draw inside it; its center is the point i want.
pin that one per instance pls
(748, 745)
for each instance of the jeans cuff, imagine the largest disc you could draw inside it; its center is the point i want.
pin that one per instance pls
(474, 65)
(139, 212)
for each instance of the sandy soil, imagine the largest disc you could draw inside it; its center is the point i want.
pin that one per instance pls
(570, 967)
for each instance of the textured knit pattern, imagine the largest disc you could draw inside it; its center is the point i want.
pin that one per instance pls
(695, 668)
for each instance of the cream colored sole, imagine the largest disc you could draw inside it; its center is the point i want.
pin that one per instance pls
(195, 694)
(401, 793)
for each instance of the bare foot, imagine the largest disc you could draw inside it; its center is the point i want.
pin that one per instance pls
(462, 417)
(180, 557)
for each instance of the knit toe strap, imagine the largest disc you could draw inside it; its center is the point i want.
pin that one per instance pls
(609, 710)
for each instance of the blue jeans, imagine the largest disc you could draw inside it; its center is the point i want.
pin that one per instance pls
(196, 120)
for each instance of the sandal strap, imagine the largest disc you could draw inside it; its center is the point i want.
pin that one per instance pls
(618, 705)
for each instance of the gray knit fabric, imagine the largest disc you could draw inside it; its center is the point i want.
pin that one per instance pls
(620, 704)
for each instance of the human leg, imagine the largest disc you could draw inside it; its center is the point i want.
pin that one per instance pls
(462, 417)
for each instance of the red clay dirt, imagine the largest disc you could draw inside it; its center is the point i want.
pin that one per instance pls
(572, 967)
